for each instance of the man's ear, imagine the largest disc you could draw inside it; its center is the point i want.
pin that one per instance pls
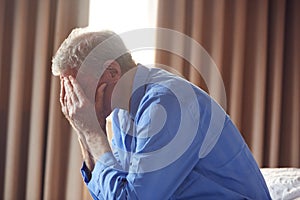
(113, 70)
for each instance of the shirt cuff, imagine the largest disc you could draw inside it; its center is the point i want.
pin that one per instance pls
(106, 160)
(86, 173)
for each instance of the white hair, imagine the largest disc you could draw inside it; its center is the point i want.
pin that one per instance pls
(81, 41)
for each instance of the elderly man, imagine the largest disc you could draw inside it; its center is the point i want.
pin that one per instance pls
(166, 141)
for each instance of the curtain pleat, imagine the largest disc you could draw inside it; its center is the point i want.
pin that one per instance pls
(236, 59)
(6, 19)
(274, 81)
(74, 189)
(255, 44)
(39, 151)
(196, 33)
(290, 104)
(254, 76)
(39, 100)
(19, 92)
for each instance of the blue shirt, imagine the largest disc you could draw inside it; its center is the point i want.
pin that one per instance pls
(175, 143)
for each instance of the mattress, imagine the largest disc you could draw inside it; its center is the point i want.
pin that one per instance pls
(283, 183)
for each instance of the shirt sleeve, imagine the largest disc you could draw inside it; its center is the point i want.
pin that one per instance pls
(165, 152)
(86, 174)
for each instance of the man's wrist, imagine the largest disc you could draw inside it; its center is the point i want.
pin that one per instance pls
(87, 157)
(97, 143)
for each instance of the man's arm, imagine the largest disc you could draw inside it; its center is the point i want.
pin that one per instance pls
(81, 115)
(87, 157)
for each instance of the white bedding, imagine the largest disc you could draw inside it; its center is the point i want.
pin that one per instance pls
(283, 183)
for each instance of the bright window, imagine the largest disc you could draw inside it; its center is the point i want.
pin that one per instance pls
(125, 15)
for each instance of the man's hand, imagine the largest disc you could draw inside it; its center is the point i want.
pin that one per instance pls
(82, 116)
(77, 108)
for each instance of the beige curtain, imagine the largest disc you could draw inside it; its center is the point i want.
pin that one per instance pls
(40, 158)
(256, 46)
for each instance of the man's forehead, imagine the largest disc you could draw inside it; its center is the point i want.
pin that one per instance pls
(84, 76)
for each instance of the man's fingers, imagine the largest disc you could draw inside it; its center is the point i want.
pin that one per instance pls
(100, 92)
(77, 90)
(101, 88)
(68, 87)
(62, 92)
(63, 98)
(73, 91)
